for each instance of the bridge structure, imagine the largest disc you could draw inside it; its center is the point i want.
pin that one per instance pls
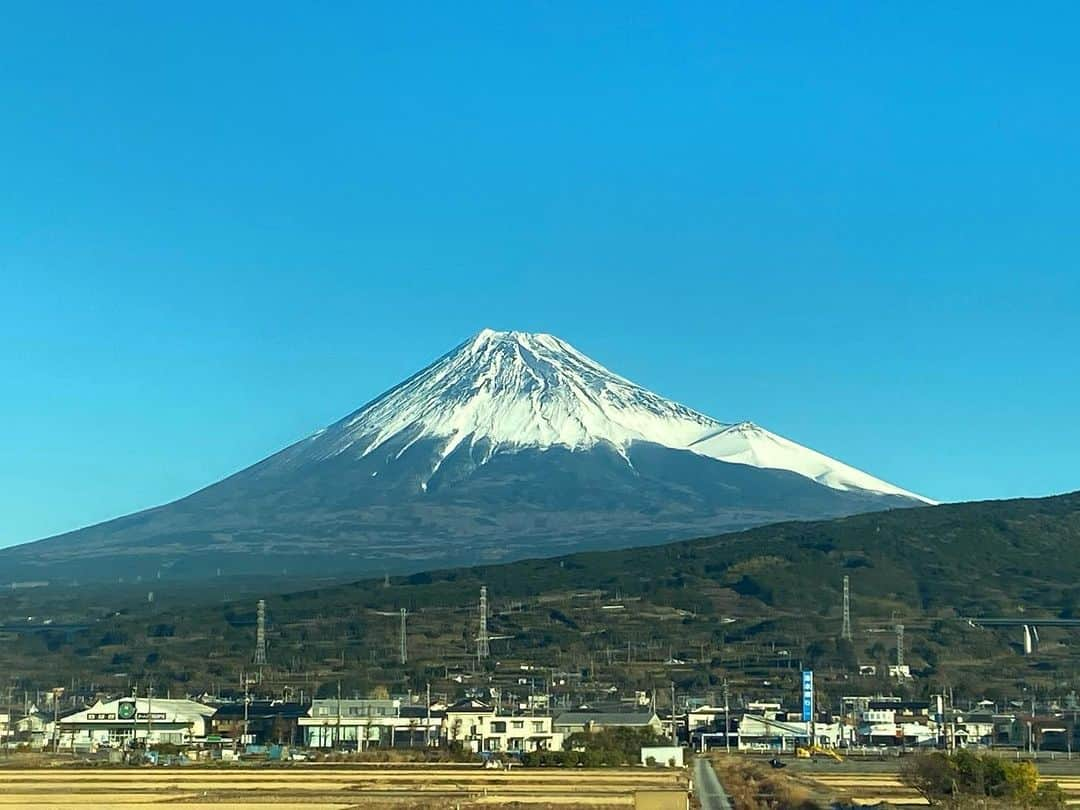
(1029, 626)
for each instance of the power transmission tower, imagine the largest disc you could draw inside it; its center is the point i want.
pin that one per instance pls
(899, 645)
(404, 643)
(260, 634)
(482, 648)
(845, 631)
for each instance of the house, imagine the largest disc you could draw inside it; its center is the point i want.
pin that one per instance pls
(974, 728)
(705, 726)
(465, 722)
(577, 722)
(480, 728)
(368, 723)
(34, 728)
(891, 721)
(128, 721)
(263, 722)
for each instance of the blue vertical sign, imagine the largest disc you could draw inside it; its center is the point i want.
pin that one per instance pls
(807, 696)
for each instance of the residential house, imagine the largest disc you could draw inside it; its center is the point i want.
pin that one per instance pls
(895, 722)
(263, 722)
(368, 723)
(481, 729)
(576, 722)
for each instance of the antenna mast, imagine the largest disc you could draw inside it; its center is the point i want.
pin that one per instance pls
(899, 645)
(404, 643)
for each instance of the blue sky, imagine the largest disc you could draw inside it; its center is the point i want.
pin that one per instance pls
(225, 225)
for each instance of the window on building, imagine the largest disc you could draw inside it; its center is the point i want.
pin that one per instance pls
(538, 726)
(517, 724)
(498, 726)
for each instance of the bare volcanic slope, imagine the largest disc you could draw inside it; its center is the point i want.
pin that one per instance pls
(512, 445)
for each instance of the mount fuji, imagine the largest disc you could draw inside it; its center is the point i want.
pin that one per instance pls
(511, 445)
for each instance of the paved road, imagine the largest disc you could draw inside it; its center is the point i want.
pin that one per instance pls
(707, 787)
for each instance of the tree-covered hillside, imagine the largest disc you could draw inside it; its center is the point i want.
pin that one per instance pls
(749, 608)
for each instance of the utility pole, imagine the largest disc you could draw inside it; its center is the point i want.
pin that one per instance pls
(845, 630)
(56, 719)
(11, 713)
(247, 701)
(727, 724)
(674, 722)
(149, 712)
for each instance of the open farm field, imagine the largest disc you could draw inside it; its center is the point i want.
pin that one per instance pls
(328, 788)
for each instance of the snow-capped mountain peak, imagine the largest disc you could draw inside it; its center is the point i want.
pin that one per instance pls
(517, 390)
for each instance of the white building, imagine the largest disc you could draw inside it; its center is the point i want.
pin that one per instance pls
(891, 721)
(480, 728)
(664, 755)
(369, 723)
(117, 723)
(759, 733)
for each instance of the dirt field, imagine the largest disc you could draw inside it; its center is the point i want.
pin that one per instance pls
(872, 782)
(327, 788)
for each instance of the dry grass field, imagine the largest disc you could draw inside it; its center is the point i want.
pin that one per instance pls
(327, 788)
(871, 783)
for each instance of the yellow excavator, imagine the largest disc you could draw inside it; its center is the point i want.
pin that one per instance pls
(810, 751)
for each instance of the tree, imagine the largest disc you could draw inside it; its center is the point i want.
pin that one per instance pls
(932, 776)
(965, 776)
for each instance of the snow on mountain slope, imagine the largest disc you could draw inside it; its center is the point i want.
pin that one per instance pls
(747, 443)
(506, 391)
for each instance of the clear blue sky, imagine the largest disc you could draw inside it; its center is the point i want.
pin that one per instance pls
(223, 225)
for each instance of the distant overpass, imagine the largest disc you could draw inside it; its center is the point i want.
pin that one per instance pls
(1020, 621)
(1030, 625)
